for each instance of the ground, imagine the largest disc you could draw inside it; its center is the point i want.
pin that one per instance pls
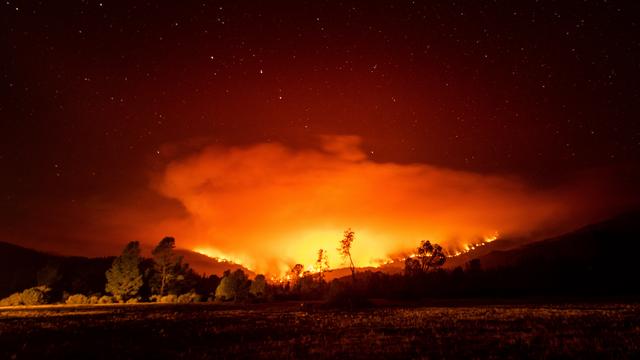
(463, 330)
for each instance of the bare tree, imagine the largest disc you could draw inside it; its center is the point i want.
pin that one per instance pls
(322, 264)
(345, 250)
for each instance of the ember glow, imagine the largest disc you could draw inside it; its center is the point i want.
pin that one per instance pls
(269, 206)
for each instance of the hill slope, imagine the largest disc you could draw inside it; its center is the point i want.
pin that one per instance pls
(204, 264)
(599, 260)
(21, 268)
(612, 243)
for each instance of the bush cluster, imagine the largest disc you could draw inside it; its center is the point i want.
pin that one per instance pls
(33, 296)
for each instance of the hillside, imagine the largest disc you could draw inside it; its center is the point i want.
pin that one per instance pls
(596, 260)
(19, 267)
(599, 259)
(204, 264)
(612, 243)
(480, 251)
(22, 268)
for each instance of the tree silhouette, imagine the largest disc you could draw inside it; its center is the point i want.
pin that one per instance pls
(473, 266)
(35, 296)
(225, 290)
(322, 264)
(412, 266)
(295, 275)
(49, 275)
(233, 286)
(427, 256)
(345, 250)
(296, 271)
(124, 278)
(166, 263)
(258, 286)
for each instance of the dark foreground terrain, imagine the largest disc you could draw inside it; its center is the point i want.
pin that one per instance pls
(290, 331)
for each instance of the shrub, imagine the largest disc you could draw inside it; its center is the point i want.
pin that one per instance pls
(168, 299)
(77, 299)
(12, 300)
(225, 290)
(36, 295)
(32, 296)
(233, 286)
(93, 299)
(132, 301)
(189, 297)
(258, 287)
(105, 300)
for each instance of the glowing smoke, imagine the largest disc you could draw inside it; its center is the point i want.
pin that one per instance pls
(269, 206)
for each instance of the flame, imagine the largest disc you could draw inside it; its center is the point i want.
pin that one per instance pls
(472, 246)
(218, 255)
(465, 249)
(491, 237)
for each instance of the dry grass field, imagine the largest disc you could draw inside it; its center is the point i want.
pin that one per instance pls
(200, 331)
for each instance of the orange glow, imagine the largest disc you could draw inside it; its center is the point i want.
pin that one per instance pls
(269, 207)
(215, 254)
(472, 246)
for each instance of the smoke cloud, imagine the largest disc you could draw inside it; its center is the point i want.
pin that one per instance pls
(269, 206)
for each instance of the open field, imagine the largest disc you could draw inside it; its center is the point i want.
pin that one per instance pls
(290, 331)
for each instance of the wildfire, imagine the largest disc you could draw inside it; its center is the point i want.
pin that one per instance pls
(286, 274)
(218, 255)
(280, 279)
(270, 206)
(492, 237)
(473, 246)
(465, 249)
(452, 253)
(289, 276)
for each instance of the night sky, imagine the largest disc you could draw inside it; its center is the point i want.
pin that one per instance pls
(98, 97)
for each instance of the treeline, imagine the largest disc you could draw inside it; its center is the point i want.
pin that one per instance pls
(130, 278)
(166, 278)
